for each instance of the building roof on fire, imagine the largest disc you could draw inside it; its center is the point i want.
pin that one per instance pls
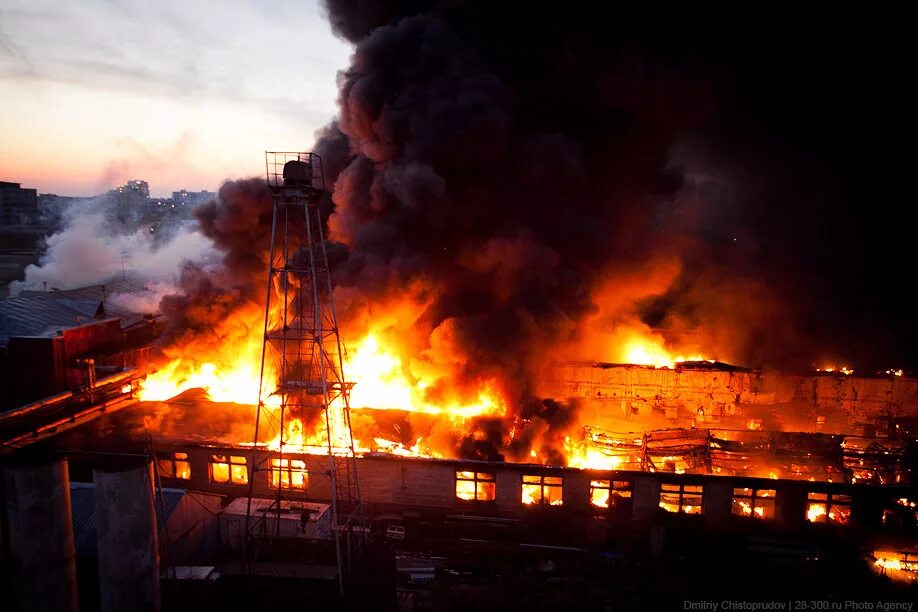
(43, 313)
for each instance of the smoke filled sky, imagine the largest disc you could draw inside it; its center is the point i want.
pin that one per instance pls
(795, 244)
(547, 150)
(181, 94)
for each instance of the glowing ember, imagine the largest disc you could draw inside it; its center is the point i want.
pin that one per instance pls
(840, 369)
(899, 566)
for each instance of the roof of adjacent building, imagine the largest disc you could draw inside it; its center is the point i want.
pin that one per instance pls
(44, 313)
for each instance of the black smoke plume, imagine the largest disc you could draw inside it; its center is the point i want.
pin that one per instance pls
(503, 171)
(498, 163)
(513, 159)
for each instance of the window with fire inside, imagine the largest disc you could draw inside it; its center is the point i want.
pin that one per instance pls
(541, 490)
(613, 496)
(828, 508)
(289, 474)
(174, 465)
(476, 486)
(681, 498)
(228, 469)
(754, 503)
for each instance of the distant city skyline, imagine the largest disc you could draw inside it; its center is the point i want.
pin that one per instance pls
(181, 95)
(174, 194)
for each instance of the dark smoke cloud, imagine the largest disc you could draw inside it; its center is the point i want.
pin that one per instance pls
(470, 123)
(504, 169)
(238, 222)
(499, 166)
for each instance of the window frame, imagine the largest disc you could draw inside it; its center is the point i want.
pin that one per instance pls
(479, 481)
(753, 497)
(167, 466)
(617, 489)
(543, 488)
(282, 476)
(681, 490)
(829, 501)
(231, 462)
(600, 484)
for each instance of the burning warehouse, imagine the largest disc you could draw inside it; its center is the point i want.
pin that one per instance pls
(174, 486)
(537, 324)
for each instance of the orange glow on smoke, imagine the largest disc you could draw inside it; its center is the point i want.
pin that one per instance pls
(398, 364)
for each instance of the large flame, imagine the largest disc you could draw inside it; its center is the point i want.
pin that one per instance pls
(227, 366)
(386, 376)
(394, 365)
(379, 364)
(381, 382)
(650, 350)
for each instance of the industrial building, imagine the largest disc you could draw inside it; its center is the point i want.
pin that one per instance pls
(453, 522)
(701, 477)
(66, 341)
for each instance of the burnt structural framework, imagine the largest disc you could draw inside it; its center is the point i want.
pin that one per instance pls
(302, 387)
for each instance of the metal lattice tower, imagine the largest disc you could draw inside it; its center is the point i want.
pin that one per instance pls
(302, 385)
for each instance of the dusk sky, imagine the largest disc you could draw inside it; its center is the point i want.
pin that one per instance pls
(181, 94)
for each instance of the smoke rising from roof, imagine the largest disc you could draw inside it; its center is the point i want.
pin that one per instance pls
(757, 156)
(534, 191)
(95, 246)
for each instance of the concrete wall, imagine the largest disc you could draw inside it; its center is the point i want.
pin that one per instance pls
(192, 530)
(627, 397)
(396, 484)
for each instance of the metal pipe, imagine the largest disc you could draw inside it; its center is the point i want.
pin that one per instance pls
(52, 400)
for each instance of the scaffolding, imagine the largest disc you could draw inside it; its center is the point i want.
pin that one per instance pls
(302, 383)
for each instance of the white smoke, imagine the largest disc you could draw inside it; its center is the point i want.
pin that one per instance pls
(93, 249)
(144, 301)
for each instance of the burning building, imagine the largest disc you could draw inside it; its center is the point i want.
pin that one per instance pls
(654, 457)
(534, 333)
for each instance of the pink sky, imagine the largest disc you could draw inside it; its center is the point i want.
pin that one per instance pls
(180, 94)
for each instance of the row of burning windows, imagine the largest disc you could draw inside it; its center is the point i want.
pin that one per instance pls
(232, 469)
(674, 497)
(536, 489)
